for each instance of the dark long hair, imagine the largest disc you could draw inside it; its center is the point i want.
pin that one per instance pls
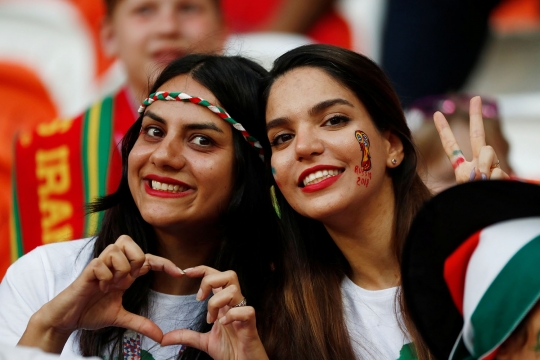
(249, 222)
(311, 316)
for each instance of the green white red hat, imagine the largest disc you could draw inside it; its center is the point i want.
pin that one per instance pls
(471, 267)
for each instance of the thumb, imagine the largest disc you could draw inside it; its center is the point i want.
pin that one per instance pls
(140, 324)
(186, 337)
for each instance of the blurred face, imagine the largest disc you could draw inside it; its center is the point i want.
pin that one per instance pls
(328, 158)
(180, 170)
(514, 349)
(147, 34)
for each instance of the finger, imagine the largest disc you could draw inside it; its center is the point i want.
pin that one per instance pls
(200, 271)
(133, 253)
(217, 280)
(486, 158)
(448, 141)
(187, 338)
(139, 324)
(244, 314)
(116, 260)
(230, 296)
(499, 174)
(95, 271)
(477, 135)
(158, 263)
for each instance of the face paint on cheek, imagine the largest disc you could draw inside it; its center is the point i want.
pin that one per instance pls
(274, 174)
(365, 165)
(363, 140)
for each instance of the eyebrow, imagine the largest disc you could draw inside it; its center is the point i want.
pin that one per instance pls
(193, 126)
(323, 105)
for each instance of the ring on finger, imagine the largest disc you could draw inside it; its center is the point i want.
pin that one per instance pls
(496, 165)
(241, 303)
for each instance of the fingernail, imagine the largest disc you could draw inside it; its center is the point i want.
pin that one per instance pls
(484, 176)
(473, 174)
(181, 271)
(187, 270)
(222, 320)
(199, 295)
(208, 318)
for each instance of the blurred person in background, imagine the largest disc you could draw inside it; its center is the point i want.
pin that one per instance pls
(73, 162)
(431, 47)
(434, 167)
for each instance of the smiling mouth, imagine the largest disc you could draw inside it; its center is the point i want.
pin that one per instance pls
(320, 175)
(156, 185)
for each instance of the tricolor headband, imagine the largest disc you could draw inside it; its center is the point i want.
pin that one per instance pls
(180, 96)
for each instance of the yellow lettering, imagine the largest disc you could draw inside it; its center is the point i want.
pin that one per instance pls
(53, 168)
(54, 127)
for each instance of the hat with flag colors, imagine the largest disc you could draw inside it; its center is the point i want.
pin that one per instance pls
(470, 268)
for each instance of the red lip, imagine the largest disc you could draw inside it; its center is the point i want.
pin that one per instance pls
(321, 185)
(167, 180)
(314, 169)
(164, 179)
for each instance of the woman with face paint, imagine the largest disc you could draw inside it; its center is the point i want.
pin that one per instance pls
(191, 194)
(347, 189)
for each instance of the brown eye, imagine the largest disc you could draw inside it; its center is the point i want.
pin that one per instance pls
(281, 139)
(201, 141)
(153, 131)
(337, 120)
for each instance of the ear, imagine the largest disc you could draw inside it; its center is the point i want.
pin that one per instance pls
(108, 37)
(394, 149)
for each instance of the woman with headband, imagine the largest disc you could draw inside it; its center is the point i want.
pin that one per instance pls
(191, 194)
(347, 187)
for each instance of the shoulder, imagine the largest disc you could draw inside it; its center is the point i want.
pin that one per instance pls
(55, 264)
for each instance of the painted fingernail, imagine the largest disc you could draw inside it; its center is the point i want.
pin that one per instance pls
(484, 176)
(473, 174)
(199, 295)
(181, 271)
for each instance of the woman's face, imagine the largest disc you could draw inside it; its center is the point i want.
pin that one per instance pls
(180, 170)
(328, 158)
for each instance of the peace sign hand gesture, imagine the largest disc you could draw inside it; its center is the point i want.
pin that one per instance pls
(234, 333)
(484, 164)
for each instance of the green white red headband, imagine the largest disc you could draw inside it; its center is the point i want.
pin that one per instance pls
(180, 96)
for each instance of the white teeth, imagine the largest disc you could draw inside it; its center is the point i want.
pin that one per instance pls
(156, 185)
(319, 176)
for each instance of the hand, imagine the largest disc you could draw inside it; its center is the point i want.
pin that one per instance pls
(234, 333)
(484, 164)
(94, 299)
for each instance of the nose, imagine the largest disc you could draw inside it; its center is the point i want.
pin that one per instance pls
(168, 155)
(307, 144)
(168, 22)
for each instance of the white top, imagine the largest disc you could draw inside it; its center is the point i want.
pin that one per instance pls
(8, 352)
(375, 323)
(40, 275)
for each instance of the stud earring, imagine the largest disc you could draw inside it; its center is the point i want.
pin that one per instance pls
(394, 161)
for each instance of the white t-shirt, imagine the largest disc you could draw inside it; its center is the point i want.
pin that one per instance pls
(8, 352)
(40, 275)
(373, 321)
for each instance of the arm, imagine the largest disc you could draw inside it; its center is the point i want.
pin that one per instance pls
(94, 300)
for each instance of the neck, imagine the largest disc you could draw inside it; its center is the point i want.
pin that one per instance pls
(366, 239)
(186, 247)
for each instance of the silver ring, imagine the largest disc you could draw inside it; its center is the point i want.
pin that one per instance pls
(241, 303)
